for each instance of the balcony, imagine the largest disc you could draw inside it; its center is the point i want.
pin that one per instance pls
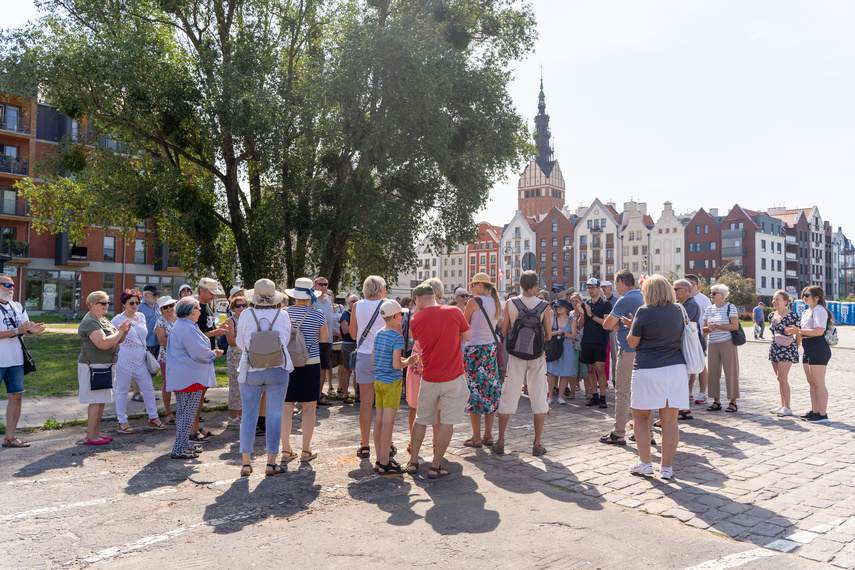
(14, 207)
(15, 249)
(14, 124)
(791, 274)
(14, 165)
(792, 257)
(596, 229)
(596, 245)
(791, 240)
(737, 233)
(733, 251)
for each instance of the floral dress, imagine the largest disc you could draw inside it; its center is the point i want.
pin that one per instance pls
(481, 365)
(233, 361)
(166, 325)
(778, 353)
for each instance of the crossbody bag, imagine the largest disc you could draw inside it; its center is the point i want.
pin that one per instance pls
(492, 330)
(29, 362)
(100, 378)
(363, 336)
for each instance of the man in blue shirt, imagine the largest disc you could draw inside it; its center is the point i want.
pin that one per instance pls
(759, 321)
(626, 306)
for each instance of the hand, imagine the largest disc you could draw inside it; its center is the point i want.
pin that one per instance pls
(588, 309)
(218, 352)
(36, 328)
(220, 331)
(125, 327)
(792, 330)
(626, 321)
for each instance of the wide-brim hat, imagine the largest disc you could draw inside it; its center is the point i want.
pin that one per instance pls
(264, 294)
(564, 303)
(481, 278)
(164, 301)
(304, 288)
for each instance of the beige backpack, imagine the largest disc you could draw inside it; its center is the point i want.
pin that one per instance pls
(265, 347)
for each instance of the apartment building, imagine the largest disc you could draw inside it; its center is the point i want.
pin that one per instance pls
(703, 237)
(635, 237)
(554, 238)
(808, 239)
(518, 250)
(595, 236)
(483, 253)
(454, 270)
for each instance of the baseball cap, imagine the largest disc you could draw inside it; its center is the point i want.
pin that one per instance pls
(211, 285)
(152, 289)
(593, 281)
(558, 288)
(390, 308)
(606, 284)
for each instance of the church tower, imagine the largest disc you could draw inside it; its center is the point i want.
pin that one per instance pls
(541, 186)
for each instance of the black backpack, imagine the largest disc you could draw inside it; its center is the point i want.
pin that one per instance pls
(525, 339)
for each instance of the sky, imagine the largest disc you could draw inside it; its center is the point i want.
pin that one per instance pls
(702, 103)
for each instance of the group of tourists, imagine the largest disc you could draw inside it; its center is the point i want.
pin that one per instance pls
(479, 355)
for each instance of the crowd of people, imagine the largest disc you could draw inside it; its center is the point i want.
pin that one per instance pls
(476, 354)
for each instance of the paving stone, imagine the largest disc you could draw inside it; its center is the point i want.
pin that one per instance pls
(682, 514)
(766, 529)
(783, 545)
(734, 508)
(728, 528)
(802, 536)
(821, 550)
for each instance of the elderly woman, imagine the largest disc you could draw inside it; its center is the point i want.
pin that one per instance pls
(99, 340)
(162, 328)
(190, 369)
(815, 321)
(480, 358)
(265, 315)
(236, 305)
(784, 349)
(131, 366)
(720, 320)
(348, 345)
(659, 378)
(365, 321)
(305, 383)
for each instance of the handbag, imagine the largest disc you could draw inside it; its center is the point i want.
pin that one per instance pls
(29, 362)
(499, 359)
(693, 352)
(554, 347)
(150, 361)
(362, 337)
(737, 336)
(100, 378)
(831, 335)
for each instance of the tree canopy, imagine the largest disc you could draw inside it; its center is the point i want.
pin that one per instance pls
(277, 138)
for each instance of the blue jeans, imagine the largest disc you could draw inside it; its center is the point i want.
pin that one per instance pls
(13, 376)
(273, 381)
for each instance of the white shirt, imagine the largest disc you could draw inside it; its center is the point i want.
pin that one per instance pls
(479, 332)
(10, 348)
(132, 349)
(703, 301)
(246, 326)
(364, 310)
(813, 318)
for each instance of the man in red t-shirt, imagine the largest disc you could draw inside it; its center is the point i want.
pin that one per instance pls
(440, 331)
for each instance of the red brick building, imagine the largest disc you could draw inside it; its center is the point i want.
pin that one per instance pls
(483, 253)
(554, 248)
(703, 238)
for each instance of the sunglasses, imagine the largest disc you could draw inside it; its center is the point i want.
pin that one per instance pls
(168, 307)
(806, 295)
(241, 306)
(102, 303)
(713, 293)
(322, 284)
(132, 303)
(7, 285)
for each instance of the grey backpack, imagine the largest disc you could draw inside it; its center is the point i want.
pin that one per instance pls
(265, 347)
(297, 348)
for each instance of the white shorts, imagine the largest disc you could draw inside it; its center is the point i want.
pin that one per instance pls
(657, 388)
(516, 372)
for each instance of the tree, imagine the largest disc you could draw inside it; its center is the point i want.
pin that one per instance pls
(742, 289)
(278, 137)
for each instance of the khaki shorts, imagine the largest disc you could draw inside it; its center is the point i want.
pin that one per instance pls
(387, 395)
(453, 395)
(517, 371)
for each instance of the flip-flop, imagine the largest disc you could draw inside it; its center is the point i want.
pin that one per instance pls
(137, 397)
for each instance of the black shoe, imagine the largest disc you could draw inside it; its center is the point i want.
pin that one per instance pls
(808, 415)
(603, 404)
(818, 419)
(594, 401)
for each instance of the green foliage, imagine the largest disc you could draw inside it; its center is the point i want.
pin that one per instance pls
(274, 138)
(51, 423)
(742, 289)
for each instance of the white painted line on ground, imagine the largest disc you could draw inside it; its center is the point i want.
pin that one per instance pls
(58, 508)
(48, 479)
(734, 560)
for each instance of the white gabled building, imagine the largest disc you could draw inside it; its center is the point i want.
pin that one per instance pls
(517, 251)
(635, 238)
(595, 238)
(667, 244)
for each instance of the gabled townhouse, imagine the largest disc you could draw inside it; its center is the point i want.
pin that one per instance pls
(668, 243)
(518, 250)
(635, 236)
(595, 237)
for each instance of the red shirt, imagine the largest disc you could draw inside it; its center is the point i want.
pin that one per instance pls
(438, 331)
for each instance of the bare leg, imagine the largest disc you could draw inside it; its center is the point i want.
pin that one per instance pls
(384, 424)
(416, 439)
(366, 406)
(782, 371)
(442, 437)
(538, 427)
(308, 424)
(670, 437)
(167, 404)
(488, 426)
(562, 385)
(95, 412)
(702, 380)
(287, 415)
(552, 381)
(641, 429)
(503, 425)
(818, 391)
(13, 414)
(602, 380)
(475, 420)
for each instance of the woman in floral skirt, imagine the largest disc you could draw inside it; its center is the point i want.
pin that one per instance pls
(784, 350)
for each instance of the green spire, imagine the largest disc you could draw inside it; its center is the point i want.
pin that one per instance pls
(541, 100)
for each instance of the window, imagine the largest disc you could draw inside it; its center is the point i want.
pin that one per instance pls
(590, 224)
(566, 270)
(566, 256)
(109, 248)
(763, 282)
(108, 285)
(493, 258)
(543, 258)
(483, 259)
(445, 273)
(555, 242)
(434, 274)
(528, 244)
(583, 255)
(779, 247)
(644, 250)
(763, 265)
(555, 272)
(656, 251)
(433, 262)
(543, 243)
(697, 229)
(676, 250)
(453, 260)
(762, 245)
(472, 259)
(609, 253)
(712, 246)
(635, 266)
(779, 265)
(679, 268)
(667, 230)
(554, 227)
(635, 250)
(603, 223)
(779, 283)
(706, 229)
(566, 240)
(554, 257)
(583, 240)
(139, 251)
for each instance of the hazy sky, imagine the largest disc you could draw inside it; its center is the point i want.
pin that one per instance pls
(699, 102)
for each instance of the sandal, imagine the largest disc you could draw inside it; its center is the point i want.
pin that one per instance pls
(715, 407)
(158, 426)
(205, 433)
(273, 469)
(347, 400)
(685, 415)
(487, 442)
(363, 452)
(10, 442)
(388, 469)
(126, 429)
(437, 472)
(307, 455)
(732, 407)
(473, 443)
(612, 439)
(413, 467)
(289, 456)
(199, 437)
(170, 421)
(137, 397)
(201, 419)
(392, 451)
(246, 471)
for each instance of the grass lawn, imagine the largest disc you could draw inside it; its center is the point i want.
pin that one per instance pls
(56, 362)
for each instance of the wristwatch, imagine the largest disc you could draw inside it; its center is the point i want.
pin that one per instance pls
(16, 331)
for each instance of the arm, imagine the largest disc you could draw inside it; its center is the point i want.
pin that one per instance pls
(345, 326)
(231, 332)
(105, 342)
(161, 335)
(546, 320)
(471, 307)
(464, 337)
(354, 327)
(324, 332)
(506, 321)
(399, 363)
(573, 330)
(611, 322)
(633, 341)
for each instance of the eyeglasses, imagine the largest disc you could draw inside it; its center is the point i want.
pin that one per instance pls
(102, 303)
(678, 288)
(132, 303)
(241, 306)
(7, 285)
(322, 284)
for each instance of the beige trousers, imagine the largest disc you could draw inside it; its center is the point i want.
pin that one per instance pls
(723, 355)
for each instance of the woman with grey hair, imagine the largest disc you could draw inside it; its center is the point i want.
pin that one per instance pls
(190, 369)
(720, 319)
(365, 321)
(348, 345)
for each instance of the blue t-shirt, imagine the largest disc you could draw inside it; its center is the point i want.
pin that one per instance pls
(385, 344)
(758, 315)
(627, 304)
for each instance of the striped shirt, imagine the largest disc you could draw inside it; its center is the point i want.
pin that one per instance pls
(718, 315)
(310, 327)
(385, 344)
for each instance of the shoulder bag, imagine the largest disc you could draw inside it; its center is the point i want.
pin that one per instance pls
(297, 343)
(492, 330)
(737, 336)
(364, 335)
(693, 352)
(554, 347)
(151, 362)
(29, 362)
(101, 378)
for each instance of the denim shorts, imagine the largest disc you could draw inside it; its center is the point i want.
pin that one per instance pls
(13, 376)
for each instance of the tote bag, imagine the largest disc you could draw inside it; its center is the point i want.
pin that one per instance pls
(693, 352)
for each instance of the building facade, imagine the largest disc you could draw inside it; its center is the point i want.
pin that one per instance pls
(595, 237)
(554, 237)
(635, 238)
(518, 251)
(668, 243)
(483, 253)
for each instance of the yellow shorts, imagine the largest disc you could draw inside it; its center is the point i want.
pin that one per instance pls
(387, 395)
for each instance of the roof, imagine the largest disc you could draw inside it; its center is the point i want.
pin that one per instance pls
(547, 167)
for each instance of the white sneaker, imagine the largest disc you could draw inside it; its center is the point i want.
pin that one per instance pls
(776, 411)
(666, 473)
(641, 468)
(785, 411)
(562, 401)
(549, 400)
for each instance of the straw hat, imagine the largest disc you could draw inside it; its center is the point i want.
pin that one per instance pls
(164, 301)
(264, 293)
(481, 278)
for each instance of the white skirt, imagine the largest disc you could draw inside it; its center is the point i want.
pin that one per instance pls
(657, 388)
(87, 396)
